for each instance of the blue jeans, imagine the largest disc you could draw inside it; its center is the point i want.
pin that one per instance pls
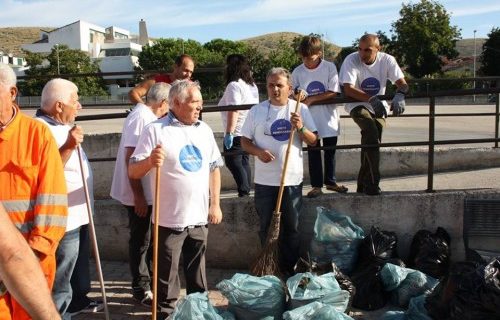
(316, 167)
(80, 280)
(66, 256)
(291, 204)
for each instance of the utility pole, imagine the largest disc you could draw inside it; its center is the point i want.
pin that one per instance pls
(474, 66)
(57, 53)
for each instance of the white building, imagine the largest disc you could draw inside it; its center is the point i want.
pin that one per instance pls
(17, 63)
(114, 48)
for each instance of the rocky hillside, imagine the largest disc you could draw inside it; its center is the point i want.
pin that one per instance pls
(11, 39)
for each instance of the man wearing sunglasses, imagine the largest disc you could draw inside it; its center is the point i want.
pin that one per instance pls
(364, 76)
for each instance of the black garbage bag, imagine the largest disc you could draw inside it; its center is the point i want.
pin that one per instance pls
(430, 252)
(470, 291)
(377, 247)
(370, 293)
(478, 294)
(438, 302)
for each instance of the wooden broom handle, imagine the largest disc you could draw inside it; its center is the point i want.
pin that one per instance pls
(156, 213)
(285, 165)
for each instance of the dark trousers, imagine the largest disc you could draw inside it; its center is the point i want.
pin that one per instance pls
(371, 133)
(291, 204)
(80, 279)
(316, 167)
(139, 251)
(192, 244)
(239, 165)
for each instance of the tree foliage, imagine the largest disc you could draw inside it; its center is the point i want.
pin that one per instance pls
(490, 56)
(422, 36)
(70, 62)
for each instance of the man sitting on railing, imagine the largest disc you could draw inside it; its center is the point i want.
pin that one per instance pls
(364, 75)
(183, 69)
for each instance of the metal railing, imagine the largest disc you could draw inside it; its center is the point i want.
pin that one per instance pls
(431, 143)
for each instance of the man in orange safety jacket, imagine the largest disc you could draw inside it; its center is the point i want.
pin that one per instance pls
(32, 185)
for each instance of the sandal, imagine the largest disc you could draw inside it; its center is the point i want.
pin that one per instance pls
(315, 192)
(337, 187)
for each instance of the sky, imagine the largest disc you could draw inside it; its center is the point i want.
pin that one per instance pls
(339, 21)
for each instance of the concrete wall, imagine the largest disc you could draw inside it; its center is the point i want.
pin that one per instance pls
(394, 161)
(234, 243)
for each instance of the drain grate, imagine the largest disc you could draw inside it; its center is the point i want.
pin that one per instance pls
(482, 227)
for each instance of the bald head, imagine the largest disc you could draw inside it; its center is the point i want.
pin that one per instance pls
(369, 46)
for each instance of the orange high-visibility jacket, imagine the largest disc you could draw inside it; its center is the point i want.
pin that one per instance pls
(33, 192)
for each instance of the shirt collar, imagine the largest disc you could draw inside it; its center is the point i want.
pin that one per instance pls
(51, 121)
(174, 121)
(2, 127)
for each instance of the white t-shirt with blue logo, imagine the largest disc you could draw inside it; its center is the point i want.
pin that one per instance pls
(372, 79)
(184, 180)
(269, 127)
(238, 92)
(319, 80)
(121, 190)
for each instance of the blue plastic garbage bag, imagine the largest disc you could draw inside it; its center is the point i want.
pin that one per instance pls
(336, 238)
(416, 311)
(315, 311)
(305, 288)
(405, 283)
(252, 297)
(197, 306)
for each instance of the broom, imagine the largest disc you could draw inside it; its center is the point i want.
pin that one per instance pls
(92, 233)
(267, 262)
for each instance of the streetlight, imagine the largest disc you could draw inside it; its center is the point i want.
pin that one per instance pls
(474, 66)
(57, 52)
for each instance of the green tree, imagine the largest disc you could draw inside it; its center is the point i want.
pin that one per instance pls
(344, 52)
(62, 60)
(284, 56)
(422, 36)
(490, 56)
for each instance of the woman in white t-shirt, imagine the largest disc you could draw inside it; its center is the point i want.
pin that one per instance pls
(240, 89)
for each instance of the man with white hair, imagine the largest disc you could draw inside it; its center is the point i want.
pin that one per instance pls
(184, 149)
(33, 188)
(135, 194)
(59, 108)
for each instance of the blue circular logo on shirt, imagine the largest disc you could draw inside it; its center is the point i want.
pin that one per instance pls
(370, 86)
(190, 158)
(280, 129)
(315, 87)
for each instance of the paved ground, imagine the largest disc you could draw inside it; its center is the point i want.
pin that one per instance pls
(122, 306)
(117, 278)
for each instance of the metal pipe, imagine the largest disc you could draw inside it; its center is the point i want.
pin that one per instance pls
(430, 161)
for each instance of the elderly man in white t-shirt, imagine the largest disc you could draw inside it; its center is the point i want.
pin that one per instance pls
(59, 108)
(135, 194)
(184, 149)
(364, 75)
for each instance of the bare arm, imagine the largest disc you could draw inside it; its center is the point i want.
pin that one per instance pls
(135, 95)
(137, 170)
(215, 212)
(250, 147)
(232, 119)
(319, 98)
(21, 273)
(355, 93)
(140, 203)
(402, 85)
(75, 138)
